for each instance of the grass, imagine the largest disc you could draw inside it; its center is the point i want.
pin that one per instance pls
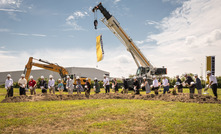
(108, 116)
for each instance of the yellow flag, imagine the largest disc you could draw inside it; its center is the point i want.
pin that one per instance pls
(99, 48)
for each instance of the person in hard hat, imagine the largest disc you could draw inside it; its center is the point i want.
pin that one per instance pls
(115, 84)
(43, 85)
(22, 82)
(125, 86)
(32, 85)
(106, 84)
(212, 83)
(87, 88)
(190, 83)
(78, 86)
(60, 86)
(146, 85)
(155, 85)
(136, 85)
(69, 85)
(9, 86)
(165, 84)
(51, 83)
(179, 84)
(198, 84)
(96, 86)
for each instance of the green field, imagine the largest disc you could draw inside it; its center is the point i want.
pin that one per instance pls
(109, 116)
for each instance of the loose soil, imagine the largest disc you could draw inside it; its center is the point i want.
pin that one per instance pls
(181, 97)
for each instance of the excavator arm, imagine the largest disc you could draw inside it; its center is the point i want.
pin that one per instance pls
(46, 65)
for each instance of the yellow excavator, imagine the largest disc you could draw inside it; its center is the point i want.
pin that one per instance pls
(52, 67)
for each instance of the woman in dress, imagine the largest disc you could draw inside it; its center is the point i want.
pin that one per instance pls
(146, 85)
(60, 86)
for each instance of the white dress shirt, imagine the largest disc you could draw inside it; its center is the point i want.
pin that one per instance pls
(155, 83)
(106, 81)
(8, 83)
(213, 79)
(22, 82)
(165, 82)
(51, 83)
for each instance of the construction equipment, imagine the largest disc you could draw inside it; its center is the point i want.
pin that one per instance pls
(47, 65)
(145, 68)
(52, 67)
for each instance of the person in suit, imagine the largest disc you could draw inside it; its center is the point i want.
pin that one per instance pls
(136, 85)
(96, 86)
(43, 85)
(198, 84)
(125, 86)
(87, 88)
(179, 84)
(115, 84)
(69, 85)
(9, 86)
(190, 83)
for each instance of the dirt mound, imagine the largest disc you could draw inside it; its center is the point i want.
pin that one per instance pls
(183, 97)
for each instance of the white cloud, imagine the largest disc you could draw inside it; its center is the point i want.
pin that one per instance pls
(4, 30)
(25, 34)
(72, 20)
(190, 33)
(117, 61)
(116, 1)
(39, 35)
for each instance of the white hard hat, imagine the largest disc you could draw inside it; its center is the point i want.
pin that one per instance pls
(86, 78)
(95, 78)
(77, 77)
(174, 86)
(185, 74)
(135, 77)
(208, 72)
(31, 77)
(154, 77)
(42, 77)
(195, 74)
(50, 76)
(105, 76)
(144, 78)
(68, 77)
(59, 79)
(9, 75)
(22, 75)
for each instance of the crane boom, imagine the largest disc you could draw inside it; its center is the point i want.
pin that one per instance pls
(144, 65)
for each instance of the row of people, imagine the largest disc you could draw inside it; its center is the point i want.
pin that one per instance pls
(189, 82)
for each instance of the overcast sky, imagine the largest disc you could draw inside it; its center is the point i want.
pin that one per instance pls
(177, 34)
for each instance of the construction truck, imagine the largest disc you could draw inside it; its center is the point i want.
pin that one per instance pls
(145, 68)
(52, 67)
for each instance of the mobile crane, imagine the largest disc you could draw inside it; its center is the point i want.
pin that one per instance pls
(49, 66)
(145, 68)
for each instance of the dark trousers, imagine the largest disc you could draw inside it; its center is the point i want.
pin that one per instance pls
(192, 91)
(107, 90)
(214, 88)
(10, 92)
(44, 90)
(156, 90)
(165, 89)
(22, 91)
